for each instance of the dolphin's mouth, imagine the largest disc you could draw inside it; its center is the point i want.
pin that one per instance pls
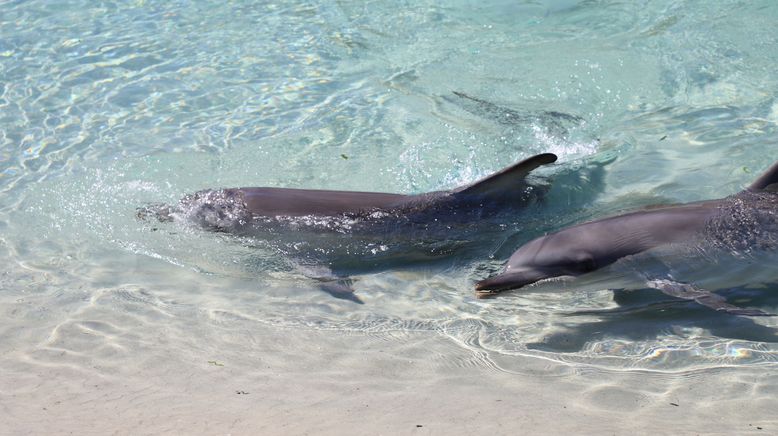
(508, 280)
(484, 286)
(485, 293)
(503, 282)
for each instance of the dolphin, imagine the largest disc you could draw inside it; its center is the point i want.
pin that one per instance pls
(333, 234)
(741, 222)
(248, 210)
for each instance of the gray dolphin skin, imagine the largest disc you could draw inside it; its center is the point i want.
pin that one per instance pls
(747, 220)
(248, 210)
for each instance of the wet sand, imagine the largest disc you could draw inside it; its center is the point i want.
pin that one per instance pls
(276, 381)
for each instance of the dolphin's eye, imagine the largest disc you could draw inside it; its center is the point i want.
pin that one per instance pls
(589, 265)
(585, 264)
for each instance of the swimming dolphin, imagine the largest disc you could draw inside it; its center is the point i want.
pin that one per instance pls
(747, 220)
(247, 210)
(338, 233)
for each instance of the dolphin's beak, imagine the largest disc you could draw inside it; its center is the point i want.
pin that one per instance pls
(505, 281)
(495, 284)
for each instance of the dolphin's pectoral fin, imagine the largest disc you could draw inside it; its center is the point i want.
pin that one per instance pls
(708, 299)
(341, 289)
(337, 286)
(508, 280)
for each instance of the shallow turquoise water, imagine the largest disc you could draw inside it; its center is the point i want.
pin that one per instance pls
(107, 106)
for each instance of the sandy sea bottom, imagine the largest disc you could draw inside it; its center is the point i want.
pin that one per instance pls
(357, 384)
(134, 359)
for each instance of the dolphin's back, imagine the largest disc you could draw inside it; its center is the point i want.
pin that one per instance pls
(301, 202)
(509, 182)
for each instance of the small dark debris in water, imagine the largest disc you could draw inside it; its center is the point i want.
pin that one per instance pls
(344, 156)
(674, 404)
(241, 392)
(419, 426)
(663, 138)
(154, 229)
(215, 363)
(757, 427)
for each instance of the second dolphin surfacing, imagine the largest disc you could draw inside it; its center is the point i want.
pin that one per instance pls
(739, 223)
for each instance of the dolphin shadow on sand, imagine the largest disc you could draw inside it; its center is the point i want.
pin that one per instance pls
(555, 123)
(746, 222)
(645, 316)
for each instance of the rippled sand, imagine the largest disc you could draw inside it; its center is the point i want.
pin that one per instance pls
(282, 381)
(131, 359)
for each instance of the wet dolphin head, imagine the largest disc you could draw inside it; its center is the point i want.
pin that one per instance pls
(560, 254)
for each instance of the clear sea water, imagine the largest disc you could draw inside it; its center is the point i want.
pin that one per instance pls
(109, 105)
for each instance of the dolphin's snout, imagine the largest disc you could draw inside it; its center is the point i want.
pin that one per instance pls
(498, 283)
(485, 289)
(508, 280)
(484, 285)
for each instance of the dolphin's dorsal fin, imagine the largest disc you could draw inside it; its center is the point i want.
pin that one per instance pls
(770, 177)
(506, 178)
